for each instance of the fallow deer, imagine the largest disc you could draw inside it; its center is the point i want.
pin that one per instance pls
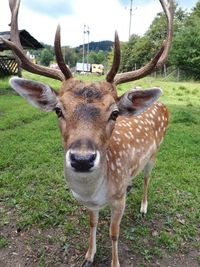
(107, 139)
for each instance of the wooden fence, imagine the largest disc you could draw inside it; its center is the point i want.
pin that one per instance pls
(8, 66)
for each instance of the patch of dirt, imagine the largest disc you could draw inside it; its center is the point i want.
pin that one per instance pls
(181, 260)
(36, 247)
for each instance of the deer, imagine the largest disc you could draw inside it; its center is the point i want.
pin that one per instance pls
(107, 139)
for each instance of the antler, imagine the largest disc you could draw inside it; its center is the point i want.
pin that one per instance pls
(59, 57)
(169, 12)
(16, 47)
(116, 60)
(159, 59)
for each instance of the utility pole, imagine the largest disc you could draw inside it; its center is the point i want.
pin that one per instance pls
(88, 47)
(84, 32)
(86, 50)
(131, 9)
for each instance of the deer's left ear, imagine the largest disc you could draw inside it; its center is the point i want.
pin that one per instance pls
(135, 102)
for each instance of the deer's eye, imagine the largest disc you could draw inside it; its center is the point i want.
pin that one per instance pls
(114, 115)
(58, 112)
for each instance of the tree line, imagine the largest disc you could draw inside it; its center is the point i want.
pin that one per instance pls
(185, 49)
(98, 53)
(184, 53)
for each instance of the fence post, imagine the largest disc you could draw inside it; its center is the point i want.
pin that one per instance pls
(165, 71)
(178, 74)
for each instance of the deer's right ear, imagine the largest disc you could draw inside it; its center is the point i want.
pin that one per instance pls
(37, 94)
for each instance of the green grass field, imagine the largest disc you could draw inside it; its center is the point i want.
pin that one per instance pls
(38, 214)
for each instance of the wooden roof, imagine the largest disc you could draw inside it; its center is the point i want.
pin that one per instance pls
(27, 41)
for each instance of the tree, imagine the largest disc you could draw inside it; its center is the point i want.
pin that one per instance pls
(69, 55)
(139, 50)
(196, 10)
(185, 52)
(46, 57)
(99, 57)
(129, 58)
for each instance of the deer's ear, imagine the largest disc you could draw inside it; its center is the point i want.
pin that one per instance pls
(37, 94)
(135, 102)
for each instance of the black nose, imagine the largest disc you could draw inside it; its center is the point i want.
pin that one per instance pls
(82, 163)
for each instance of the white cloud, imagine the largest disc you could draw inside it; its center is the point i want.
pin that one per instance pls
(103, 17)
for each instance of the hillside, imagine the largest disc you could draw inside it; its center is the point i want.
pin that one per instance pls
(96, 46)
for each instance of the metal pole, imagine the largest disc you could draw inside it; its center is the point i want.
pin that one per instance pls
(64, 53)
(130, 19)
(178, 75)
(88, 48)
(84, 46)
(165, 71)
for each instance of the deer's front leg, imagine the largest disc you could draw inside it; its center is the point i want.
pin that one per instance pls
(117, 210)
(147, 172)
(89, 257)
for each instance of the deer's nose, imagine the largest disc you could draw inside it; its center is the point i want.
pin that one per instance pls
(82, 163)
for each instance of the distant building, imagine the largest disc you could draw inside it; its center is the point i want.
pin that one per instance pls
(90, 68)
(80, 67)
(98, 68)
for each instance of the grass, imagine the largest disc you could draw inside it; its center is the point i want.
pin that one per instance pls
(3, 242)
(33, 189)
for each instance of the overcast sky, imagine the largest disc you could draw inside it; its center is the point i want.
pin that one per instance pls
(40, 18)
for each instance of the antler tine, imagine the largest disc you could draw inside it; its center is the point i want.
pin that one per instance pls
(140, 73)
(14, 8)
(16, 47)
(59, 57)
(29, 66)
(116, 60)
(169, 12)
(160, 57)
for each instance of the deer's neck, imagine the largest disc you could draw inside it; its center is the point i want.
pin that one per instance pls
(89, 188)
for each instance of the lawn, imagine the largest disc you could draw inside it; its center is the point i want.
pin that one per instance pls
(42, 225)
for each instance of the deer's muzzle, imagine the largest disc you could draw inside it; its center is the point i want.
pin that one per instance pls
(82, 156)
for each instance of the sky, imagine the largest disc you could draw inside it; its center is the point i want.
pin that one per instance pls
(41, 17)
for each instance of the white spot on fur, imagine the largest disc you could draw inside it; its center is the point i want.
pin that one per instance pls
(127, 136)
(151, 115)
(131, 135)
(113, 168)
